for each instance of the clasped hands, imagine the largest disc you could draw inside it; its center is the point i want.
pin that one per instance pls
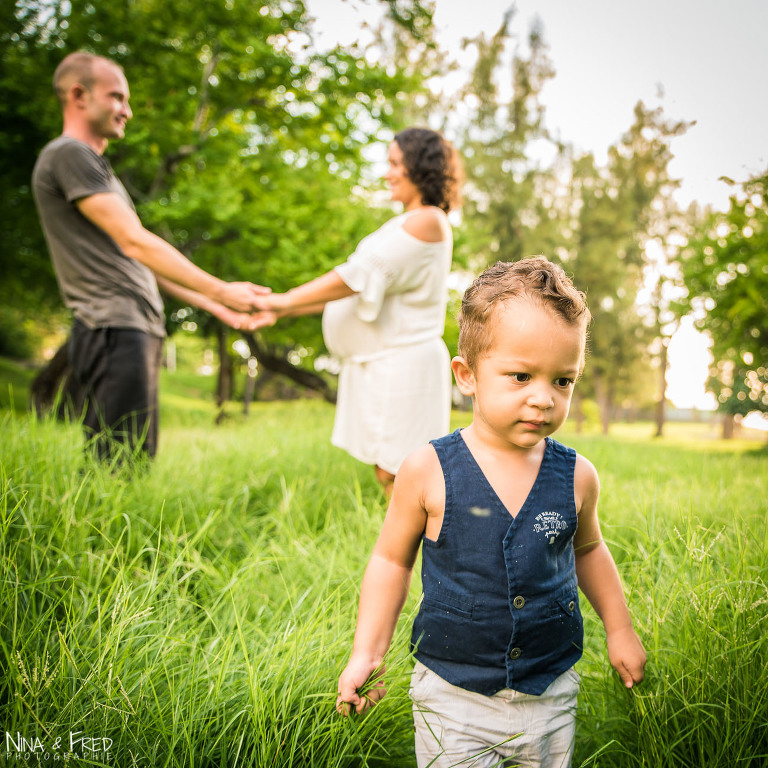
(248, 307)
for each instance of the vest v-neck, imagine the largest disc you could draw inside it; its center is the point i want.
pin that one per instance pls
(512, 515)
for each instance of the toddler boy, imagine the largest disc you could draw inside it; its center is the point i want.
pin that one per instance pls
(507, 517)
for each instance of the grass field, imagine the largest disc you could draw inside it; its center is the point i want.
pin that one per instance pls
(198, 613)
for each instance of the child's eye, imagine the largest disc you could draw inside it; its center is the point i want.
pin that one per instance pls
(564, 382)
(520, 378)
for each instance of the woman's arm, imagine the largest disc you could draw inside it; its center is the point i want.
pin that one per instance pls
(307, 298)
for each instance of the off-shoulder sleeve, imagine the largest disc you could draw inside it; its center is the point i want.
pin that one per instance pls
(388, 261)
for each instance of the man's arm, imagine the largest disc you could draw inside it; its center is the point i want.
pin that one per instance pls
(237, 320)
(110, 213)
(599, 581)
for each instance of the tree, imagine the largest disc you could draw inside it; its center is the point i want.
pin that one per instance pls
(663, 283)
(617, 211)
(246, 148)
(503, 215)
(595, 221)
(725, 270)
(29, 116)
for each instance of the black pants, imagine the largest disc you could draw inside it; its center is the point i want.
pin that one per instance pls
(117, 371)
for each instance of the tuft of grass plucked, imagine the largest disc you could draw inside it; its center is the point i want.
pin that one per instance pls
(198, 612)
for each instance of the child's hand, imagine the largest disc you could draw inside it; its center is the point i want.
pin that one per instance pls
(627, 655)
(360, 686)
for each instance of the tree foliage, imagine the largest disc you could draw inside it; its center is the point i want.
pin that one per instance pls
(503, 214)
(246, 147)
(248, 152)
(725, 268)
(595, 220)
(29, 116)
(618, 210)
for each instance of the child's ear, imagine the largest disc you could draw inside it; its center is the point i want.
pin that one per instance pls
(465, 378)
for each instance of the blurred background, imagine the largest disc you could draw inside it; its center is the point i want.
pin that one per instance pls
(623, 142)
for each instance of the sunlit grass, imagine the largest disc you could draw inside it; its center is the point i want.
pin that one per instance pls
(199, 613)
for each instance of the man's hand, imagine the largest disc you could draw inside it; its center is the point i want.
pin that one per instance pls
(360, 686)
(242, 296)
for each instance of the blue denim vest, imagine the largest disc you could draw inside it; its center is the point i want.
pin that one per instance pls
(501, 604)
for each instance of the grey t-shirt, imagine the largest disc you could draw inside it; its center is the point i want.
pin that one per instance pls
(99, 283)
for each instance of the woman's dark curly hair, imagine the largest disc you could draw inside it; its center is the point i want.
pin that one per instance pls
(433, 165)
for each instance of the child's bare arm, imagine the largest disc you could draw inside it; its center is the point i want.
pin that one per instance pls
(599, 581)
(383, 593)
(386, 583)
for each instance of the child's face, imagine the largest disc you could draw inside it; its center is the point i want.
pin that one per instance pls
(523, 384)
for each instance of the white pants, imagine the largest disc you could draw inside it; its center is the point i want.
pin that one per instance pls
(455, 726)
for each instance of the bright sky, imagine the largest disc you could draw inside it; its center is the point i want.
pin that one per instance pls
(708, 59)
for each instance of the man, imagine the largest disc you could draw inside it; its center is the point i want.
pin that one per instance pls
(109, 266)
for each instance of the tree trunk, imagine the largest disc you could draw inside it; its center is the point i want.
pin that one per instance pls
(579, 413)
(661, 402)
(729, 426)
(224, 379)
(280, 365)
(248, 391)
(602, 395)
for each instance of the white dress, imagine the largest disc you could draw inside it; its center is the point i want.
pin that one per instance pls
(395, 381)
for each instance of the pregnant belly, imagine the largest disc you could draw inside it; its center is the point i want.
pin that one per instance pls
(345, 334)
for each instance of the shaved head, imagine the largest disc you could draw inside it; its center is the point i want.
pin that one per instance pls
(79, 67)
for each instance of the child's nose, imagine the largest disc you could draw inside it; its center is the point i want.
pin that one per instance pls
(541, 397)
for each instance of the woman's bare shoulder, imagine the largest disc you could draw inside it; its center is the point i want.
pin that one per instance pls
(428, 224)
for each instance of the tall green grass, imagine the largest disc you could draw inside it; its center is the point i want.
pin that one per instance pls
(198, 613)
(15, 380)
(689, 529)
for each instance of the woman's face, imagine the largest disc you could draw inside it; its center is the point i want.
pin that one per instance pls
(401, 188)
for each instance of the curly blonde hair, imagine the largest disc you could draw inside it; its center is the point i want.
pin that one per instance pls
(536, 279)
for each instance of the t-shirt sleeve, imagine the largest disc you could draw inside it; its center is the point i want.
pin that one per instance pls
(81, 172)
(384, 263)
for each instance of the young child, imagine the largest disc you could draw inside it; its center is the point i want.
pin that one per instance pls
(508, 521)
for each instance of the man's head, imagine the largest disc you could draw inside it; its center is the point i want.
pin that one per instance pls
(94, 95)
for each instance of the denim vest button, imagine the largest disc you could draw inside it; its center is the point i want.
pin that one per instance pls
(519, 602)
(571, 606)
(515, 653)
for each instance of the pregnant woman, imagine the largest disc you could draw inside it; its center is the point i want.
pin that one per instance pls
(384, 312)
